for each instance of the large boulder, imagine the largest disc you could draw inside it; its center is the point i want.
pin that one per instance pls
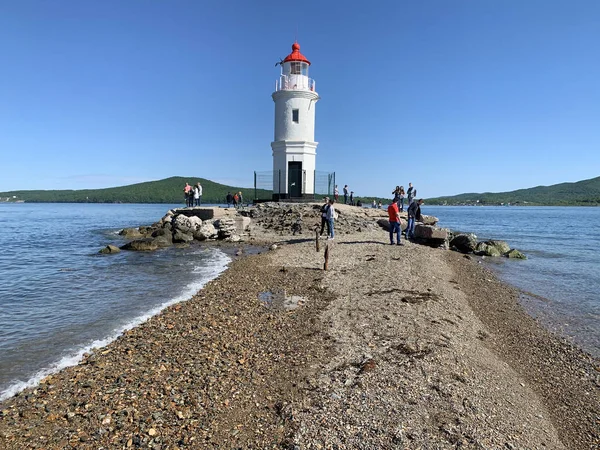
(430, 232)
(182, 236)
(110, 249)
(163, 237)
(464, 243)
(514, 253)
(429, 220)
(206, 231)
(186, 224)
(502, 246)
(485, 249)
(131, 233)
(141, 245)
(384, 223)
(225, 227)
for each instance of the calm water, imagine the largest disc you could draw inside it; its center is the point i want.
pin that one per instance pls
(59, 298)
(563, 264)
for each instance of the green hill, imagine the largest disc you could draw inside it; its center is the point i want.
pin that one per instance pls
(169, 190)
(581, 193)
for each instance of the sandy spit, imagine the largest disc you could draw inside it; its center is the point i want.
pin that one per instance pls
(392, 347)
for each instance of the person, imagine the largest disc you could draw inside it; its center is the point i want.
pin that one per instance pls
(345, 194)
(358, 203)
(324, 220)
(199, 199)
(394, 216)
(402, 194)
(414, 213)
(379, 205)
(186, 192)
(195, 195)
(396, 193)
(352, 198)
(374, 204)
(229, 199)
(240, 199)
(336, 193)
(235, 200)
(330, 218)
(411, 193)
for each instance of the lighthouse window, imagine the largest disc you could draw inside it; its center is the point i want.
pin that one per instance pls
(295, 68)
(295, 115)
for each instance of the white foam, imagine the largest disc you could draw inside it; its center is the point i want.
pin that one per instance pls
(217, 264)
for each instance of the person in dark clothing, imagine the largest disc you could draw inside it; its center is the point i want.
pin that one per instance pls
(324, 220)
(414, 213)
(229, 199)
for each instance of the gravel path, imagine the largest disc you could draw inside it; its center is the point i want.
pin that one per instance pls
(392, 347)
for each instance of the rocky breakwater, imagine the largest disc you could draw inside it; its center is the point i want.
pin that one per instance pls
(182, 226)
(303, 218)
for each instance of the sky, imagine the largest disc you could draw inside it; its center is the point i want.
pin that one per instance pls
(454, 96)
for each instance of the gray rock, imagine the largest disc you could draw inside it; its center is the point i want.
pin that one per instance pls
(130, 233)
(502, 246)
(430, 232)
(182, 236)
(141, 245)
(464, 243)
(206, 231)
(429, 220)
(110, 249)
(485, 249)
(514, 253)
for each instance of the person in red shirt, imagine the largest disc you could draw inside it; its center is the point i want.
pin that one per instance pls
(394, 216)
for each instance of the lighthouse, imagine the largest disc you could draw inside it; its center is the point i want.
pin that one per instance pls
(294, 147)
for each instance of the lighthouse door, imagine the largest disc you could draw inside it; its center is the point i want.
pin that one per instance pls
(295, 179)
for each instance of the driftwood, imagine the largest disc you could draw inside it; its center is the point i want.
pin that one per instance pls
(317, 240)
(326, 265)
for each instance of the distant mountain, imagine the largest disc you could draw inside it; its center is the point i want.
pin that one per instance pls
(169, 190)
(581, 193)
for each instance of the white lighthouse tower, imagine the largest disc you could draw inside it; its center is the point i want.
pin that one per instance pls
(294, 146)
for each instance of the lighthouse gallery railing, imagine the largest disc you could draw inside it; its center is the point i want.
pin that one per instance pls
(294, 82)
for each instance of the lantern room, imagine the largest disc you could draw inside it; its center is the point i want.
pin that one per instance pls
(294, 72)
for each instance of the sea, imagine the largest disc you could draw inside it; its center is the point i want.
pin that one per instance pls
(59, 298)
(560, 279)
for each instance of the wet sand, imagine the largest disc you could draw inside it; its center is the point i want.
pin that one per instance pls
(392, 347)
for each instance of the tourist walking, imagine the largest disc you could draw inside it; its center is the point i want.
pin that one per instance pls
(235, 200)
(411, 193)
(352, 198)
(229, 199)
(395, 228)
(324, 220)
(336, 193)
(374, 204)
(414, 213)
(330, 219)
(240, 200)
(345, 194)
(199, 198)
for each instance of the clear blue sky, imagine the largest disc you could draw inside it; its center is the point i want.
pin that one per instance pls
(455, 96)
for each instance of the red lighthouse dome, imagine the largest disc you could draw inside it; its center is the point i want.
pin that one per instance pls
(296, 55)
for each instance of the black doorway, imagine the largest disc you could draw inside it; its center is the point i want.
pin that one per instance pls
(295, 179)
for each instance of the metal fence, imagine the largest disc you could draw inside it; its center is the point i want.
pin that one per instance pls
(273, 184)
